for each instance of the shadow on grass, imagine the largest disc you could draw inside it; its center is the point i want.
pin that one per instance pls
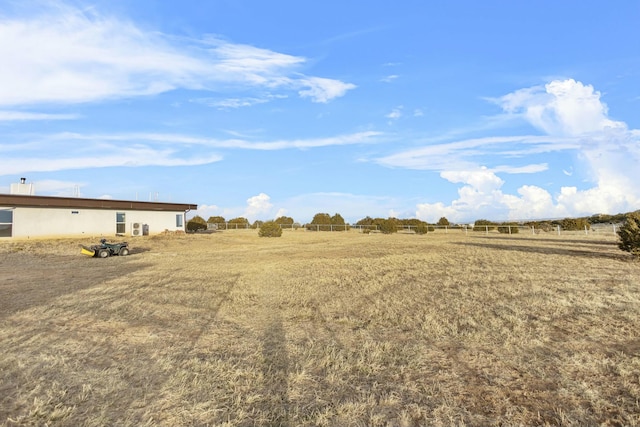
(558, 239)
(275, 369)
(34, 280)
(547, 250)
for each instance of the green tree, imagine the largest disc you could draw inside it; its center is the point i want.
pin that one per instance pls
(270, 229)
(484, 225)
(387, 226)
(629, 234)
(508, 228)
(575, 224)
(443, 222)
(239, 222)
(219, 221)
(285, 222)
(365, 221)
(422, 228)
(320, 222)
(257, 224)
(338, 223)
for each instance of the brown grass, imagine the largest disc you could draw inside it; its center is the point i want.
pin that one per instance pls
(321, 329)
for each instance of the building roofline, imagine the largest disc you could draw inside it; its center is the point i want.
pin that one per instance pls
(20, 200)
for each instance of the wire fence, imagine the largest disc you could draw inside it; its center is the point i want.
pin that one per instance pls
(594, 229)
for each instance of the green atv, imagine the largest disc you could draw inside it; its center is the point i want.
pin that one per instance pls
(105, 250)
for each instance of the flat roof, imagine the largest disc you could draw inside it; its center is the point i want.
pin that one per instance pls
(21, 200)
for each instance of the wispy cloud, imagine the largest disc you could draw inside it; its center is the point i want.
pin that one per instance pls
(80, 151)
(395, 114)
(472, 153)
(6, 116)
(233, 103)
(61, 54)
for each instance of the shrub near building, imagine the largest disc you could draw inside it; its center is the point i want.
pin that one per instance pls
(196, 223)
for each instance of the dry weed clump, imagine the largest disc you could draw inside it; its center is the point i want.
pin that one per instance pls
(321, 329)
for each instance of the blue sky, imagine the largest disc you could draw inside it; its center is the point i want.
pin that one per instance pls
(414, 109)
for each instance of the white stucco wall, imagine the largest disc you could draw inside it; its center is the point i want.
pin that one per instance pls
(46, 221)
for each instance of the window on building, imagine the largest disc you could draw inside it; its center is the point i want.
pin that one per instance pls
(121, 223)
(179, 223)
(6, 222)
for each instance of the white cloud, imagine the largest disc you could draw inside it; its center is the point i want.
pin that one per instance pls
(390, 78)
(258, 207)
(482, 180)
(29, 116)
(65, 55)
(80, 151)
(482, 197)
(574, 119)
(561, 107)
(323, 90)
(395, 113)
(229, 103)
(469, 154)
(171, 139)
(106, 157)
(281, 212)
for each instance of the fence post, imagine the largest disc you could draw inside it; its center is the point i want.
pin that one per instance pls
(558, 230)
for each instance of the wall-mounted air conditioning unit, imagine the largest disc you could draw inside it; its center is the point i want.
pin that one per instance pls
(136, 229)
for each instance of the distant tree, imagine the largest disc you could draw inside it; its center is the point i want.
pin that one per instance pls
(422, 228)
(545, 226)
(484, 225)
(239, 222)
(387, 226)
(270, 229)
(219, 221)
(216, 220)
(365, 221)
(257, 224)
(338, 222)
(320, 222)
(443, 222)
(285, 222)
(575, 224)
(629, 234)
(508, 228)
(196, 223)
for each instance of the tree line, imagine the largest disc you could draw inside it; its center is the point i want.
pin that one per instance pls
(629, 232)
(326, 222)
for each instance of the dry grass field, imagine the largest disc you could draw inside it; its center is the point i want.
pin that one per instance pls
(321, 329)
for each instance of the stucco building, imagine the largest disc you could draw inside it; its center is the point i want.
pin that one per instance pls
(27, 215)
